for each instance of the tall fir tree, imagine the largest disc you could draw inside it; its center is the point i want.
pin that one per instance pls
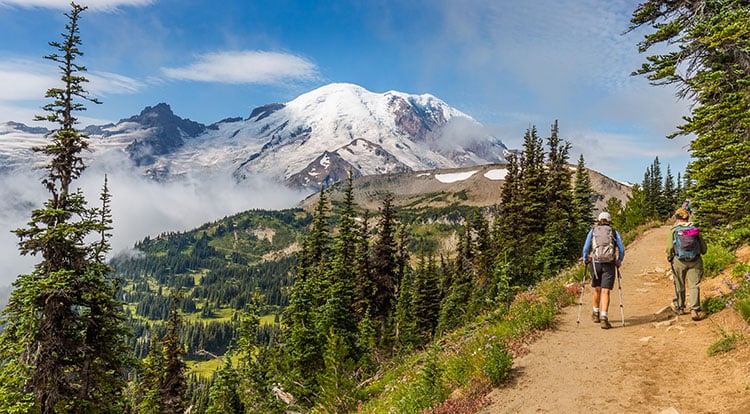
(710, 66)
(583, 200)
(224, 397)
(337, 314)
(63, 346)
(174, 383)
(385, 268)
(558, 245)
(302, 341)
(671, 195)
(426, 298)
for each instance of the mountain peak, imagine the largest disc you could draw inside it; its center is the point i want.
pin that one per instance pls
(312, 140)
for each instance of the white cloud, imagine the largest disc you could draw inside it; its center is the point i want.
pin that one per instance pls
(105, 83)
(24, 80)
(246, 67)
(140, 207)
(98, 5)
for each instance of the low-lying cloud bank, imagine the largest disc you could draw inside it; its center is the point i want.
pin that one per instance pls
(140, 206)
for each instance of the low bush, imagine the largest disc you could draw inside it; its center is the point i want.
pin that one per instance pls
(726, 343)
(716, 259)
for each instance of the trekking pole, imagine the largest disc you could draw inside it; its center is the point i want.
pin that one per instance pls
(619, 288)
(583, 289)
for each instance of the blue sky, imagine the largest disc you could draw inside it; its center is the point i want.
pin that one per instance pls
(509, 64)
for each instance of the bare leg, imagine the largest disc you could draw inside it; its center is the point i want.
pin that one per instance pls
(596, 297)
(605, 300)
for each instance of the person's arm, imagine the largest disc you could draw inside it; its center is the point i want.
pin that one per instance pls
(587, 246)
(704, 246)
(670, 246)
(620, 247)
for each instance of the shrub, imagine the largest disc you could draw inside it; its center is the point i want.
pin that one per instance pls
(497, 363)
(726, 343)
(716, 259)
(740, 296)
(714, 304)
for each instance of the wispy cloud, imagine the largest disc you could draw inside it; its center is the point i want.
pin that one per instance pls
(106, 83)
(246, 67)
(98, 5)
(24, 79)
(20, 84)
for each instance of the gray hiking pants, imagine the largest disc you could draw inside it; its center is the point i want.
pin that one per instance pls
(692, 273)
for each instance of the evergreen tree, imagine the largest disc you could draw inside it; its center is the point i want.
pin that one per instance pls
(615, 209)
(406, 337)
(385, 267)
(711, 67)
(303, 342)
(453, 307)
(150, 378)
(426, 298)
(583, 195)
(507, 230)
(336, 383)
(256, 363)
(337, 313)
(364, 287)
(63, 344)
(174, 383)
(223, 395)
(558, 246)
(637, 210)
(671, 195)
(483, 248)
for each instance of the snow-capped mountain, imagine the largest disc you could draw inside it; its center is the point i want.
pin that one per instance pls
(311, 141)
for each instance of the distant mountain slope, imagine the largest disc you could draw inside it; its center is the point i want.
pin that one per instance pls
(311, 141)
(477, 186)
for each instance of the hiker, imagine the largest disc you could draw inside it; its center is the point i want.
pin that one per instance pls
(687, 205)
(684, 251)
(602, 241)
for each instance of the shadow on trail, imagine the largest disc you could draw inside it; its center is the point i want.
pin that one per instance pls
(643, 319)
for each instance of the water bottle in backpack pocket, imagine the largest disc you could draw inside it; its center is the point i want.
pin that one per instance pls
(686, 241)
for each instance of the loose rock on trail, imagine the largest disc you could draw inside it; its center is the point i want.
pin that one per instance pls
(656, 363)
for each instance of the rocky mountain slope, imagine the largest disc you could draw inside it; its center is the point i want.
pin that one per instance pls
(476, 186)
(311, 141)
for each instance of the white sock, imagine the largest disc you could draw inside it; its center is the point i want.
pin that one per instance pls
(596, 310)
(604, 314)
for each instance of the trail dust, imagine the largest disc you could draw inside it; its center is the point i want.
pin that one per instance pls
(656, 363)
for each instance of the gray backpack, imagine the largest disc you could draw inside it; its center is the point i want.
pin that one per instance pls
(603, 243)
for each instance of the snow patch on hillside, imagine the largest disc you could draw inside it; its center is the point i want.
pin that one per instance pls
(454, 177)
(496, 174)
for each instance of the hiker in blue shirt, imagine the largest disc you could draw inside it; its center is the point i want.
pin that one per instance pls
(601, 242)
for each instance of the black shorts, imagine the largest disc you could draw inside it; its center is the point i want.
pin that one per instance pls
(602, 275)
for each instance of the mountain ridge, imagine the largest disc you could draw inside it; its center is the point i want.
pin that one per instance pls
(308, 142)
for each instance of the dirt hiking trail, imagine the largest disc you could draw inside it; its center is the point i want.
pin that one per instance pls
(656, 363)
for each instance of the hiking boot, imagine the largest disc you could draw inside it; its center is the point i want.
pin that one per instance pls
(695, 315)
(595, 317)
(605, 323)
(677, 310)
